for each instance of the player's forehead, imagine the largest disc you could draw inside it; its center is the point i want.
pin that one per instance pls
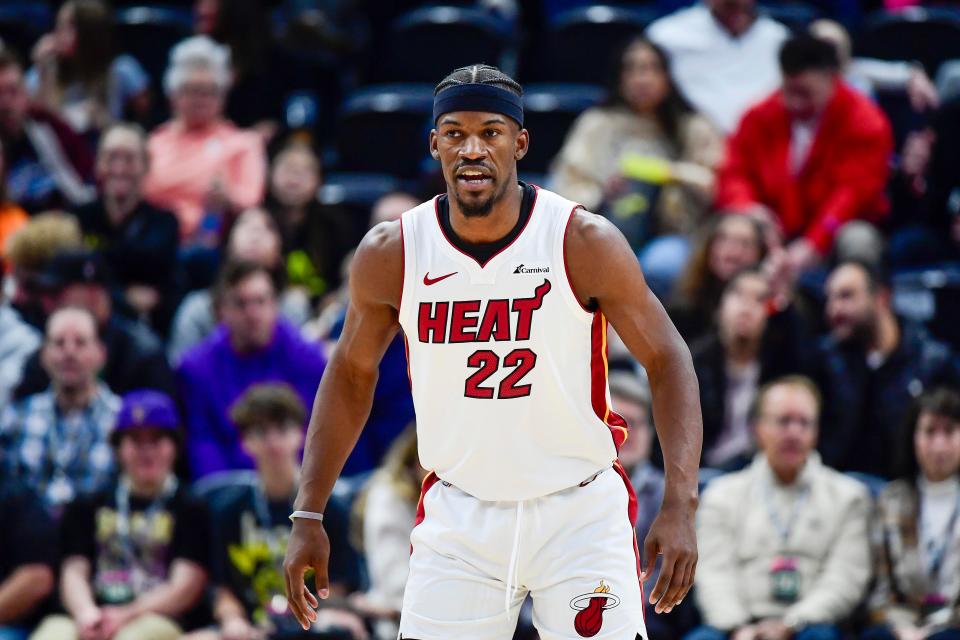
(468, 119)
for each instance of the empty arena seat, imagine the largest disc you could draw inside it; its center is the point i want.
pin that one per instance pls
(426, 44)
(931, 297)
(356, 189)
(549, 110)
(22, 24)
(383, 129)
(580, 43)
(149, 32)
(925, 34)
(797, 16)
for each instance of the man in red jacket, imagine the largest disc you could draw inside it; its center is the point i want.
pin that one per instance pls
(814, 154)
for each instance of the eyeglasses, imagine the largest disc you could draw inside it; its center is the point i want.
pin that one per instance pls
(199, 90)
(784, 421)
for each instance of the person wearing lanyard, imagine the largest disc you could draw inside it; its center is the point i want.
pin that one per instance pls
(783, 544)
(917, 534)
(251, 529)
(136, 555)
(57, 441)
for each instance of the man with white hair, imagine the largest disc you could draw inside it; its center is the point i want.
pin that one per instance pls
(202, 166)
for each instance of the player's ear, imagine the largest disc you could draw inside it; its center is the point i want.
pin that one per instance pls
(522, 144)
(434, 151)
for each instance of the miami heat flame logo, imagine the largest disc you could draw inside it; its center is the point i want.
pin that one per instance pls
(590, 608)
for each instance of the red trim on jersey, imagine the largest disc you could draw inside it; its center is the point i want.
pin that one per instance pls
(403, 265)
(533, 208)
(566, 267)
(598, 381)
(406, 353)
(632, 515)
(428, 483)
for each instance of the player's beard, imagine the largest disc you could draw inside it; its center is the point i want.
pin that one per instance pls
(481, 208)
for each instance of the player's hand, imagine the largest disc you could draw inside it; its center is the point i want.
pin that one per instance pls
(308, 548)
(671, 535)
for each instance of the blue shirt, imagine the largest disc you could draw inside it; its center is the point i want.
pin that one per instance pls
(59, 455)
(212, 376)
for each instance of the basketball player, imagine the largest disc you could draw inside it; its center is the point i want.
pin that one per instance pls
(503, 291)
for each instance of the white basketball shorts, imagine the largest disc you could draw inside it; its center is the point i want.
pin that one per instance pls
(574, 551)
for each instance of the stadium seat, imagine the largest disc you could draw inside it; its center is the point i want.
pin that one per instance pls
(383, 129)
(580, 43)
(149, 32)
(931, 297)
(22, 24)
(549, 110)
(356, 189)
(797, 16)
(928, 35)
(426, 44)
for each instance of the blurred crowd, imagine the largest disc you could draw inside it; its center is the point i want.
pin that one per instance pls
(175, 242)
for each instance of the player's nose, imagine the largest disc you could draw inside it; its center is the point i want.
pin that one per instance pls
(473, 148)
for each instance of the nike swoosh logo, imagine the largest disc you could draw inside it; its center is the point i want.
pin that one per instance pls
(427, 280)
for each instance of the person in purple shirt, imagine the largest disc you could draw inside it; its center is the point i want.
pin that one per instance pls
(252, 345)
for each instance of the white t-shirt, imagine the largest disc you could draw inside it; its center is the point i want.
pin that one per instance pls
(722, 76)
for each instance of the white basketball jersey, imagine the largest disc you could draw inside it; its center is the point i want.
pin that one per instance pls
(508, 369)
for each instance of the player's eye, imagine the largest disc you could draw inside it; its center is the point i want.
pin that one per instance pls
(492, 132)
(452, 133)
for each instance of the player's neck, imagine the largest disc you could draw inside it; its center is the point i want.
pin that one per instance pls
(491, 227)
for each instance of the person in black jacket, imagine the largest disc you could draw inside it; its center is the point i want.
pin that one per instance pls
(137, 240)
(733, 361)
(135, 357)
(870, 368)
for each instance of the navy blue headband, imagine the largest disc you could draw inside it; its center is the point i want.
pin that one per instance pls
(478, 97)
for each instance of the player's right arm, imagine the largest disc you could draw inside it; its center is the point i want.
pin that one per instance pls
(343, 404)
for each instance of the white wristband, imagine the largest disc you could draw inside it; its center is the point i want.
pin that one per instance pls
(308, 515)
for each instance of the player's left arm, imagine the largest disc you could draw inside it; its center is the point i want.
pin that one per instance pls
(604, 271)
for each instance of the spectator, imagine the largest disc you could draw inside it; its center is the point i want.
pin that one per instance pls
(917, 540)
(137, 240)
(870, 76)
(56, 441)
(48, 164)
(254, 238)
(134, 355)
(630, 396)
(315, 237)
(253, 345)
(870, 368)
(12, 217)
(257, 89)
(28, 549)
(814, 153)
(200, 164)
(391, 206)
(932, 235)
(135, 557)
(783, 543)
(77, 75)
(252, 528)
(732, 363)
(727, 245)
(18, 341)
(386, 512)
(645, 136)
(29, 253)
(722, 55)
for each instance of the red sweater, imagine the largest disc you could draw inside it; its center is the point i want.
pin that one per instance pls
(843, 177)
